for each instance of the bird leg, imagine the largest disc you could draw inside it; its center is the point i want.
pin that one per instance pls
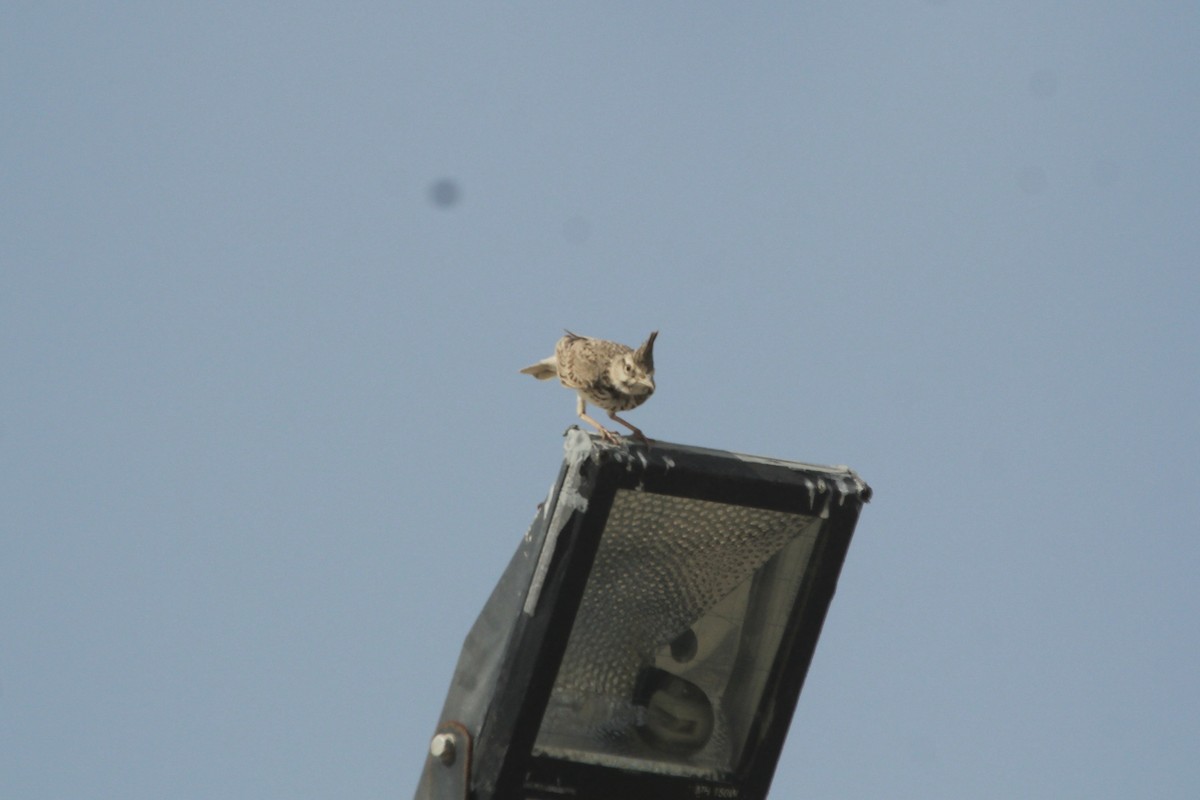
(637, 433)
(609, 436)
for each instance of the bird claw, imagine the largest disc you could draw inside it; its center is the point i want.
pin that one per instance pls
(638, 436)
(612, 437)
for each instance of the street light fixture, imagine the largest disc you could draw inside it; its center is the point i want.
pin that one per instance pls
(650, 637)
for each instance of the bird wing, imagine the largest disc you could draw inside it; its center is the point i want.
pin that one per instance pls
(583, 360)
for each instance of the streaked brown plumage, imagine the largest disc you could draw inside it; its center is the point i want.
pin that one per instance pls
(606, 374)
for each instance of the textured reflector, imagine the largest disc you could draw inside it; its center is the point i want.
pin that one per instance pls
(676, 633)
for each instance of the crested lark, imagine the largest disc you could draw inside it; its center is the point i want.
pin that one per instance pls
(603, 373)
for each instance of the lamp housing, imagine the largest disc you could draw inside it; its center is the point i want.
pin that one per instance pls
(651, 635)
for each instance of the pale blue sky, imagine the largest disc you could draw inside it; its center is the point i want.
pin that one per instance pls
(264, 449)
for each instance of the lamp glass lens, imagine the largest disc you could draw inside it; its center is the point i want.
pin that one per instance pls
(684, 610)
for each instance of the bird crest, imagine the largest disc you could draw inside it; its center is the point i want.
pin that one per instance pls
(644, 355)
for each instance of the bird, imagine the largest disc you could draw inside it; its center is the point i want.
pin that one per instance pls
(610, 375)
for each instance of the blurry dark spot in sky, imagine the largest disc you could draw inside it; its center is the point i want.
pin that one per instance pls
(445, 192)
(1032, 180)
(1043, 83)
(576, 230)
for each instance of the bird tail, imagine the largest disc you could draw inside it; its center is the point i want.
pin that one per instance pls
(543, 370)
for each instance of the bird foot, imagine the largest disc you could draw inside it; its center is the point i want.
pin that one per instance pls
(615, 438)
(612, 437)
